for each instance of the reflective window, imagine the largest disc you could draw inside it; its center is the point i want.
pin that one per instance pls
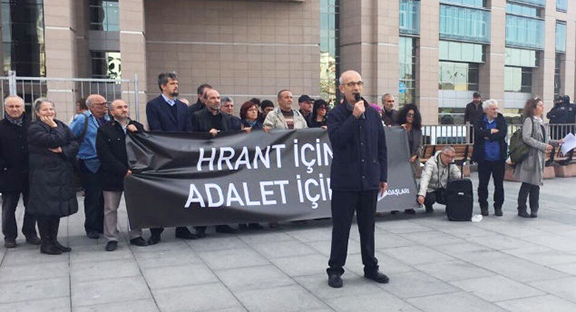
(462, 23)
(461, 52)
(407, 79)
(539, 3)
(410, 17)
(520, 57)
(23, 37)
(523, 10)
(106, 64)
(524, 32)
(557, 74)
(471, 3)
(329, 53)
(562, 5)
(561, 37)
(104, 15)
(518, 79)
(458, 76)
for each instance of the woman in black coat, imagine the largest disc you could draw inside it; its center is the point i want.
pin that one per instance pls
(52, 150)
(318, 117)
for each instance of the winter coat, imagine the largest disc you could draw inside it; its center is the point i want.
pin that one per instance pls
(359, 149)
(531, 169)
(435, 175)
(482, 134)
(13, 156)
(111, 148)
(275, 120)
(52, 187)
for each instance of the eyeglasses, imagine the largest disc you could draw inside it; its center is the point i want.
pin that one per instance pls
(409, 115)
(448, 156)
(100, 104)
(351, 84)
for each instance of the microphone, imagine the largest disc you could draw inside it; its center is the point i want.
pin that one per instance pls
(358, 98)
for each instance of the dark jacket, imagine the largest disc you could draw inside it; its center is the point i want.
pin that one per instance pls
(198, 106)
(257, 126)
(13, 156)
(52, 187)
(481, 134)
(389, 118)
(563, 113)
(160, 117)
(202, 122)
(359, 149)
(472, 114)
(111, 148)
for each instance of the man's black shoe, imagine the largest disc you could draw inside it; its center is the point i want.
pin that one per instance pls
(498, 212)
(111, 245)
(201, 232)
(429, 210)
(225, 229)
(93, 235)
(138, 241)
(255, 226)
(410, 211)
(154, 239)
(334, 281)
(378, 277)
(33, 240)
(9, 243)
(484, 211)
(184, 233)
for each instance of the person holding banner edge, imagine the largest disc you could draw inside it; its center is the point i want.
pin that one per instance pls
(358, 174)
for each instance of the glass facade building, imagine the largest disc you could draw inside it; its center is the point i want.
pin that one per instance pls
(329, 34)
(465, 24)
(409, 17)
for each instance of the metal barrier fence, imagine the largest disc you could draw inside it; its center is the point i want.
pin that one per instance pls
(66, 91)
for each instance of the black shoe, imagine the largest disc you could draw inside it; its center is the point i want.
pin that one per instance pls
(92, 235)
(138, 241)
(201, 232)
(334, 281)
(62, 247)
(255, 226)
(522, 213)
(429, 210)
(498, 212)
(394, 212)
(8, 243)
(410, 211)
(33, 240)
(484, 212)
(225, 229)
(184, 233)
(154, 239)
(111, 245)
(534, 214)
(378, 277)
(50, 250)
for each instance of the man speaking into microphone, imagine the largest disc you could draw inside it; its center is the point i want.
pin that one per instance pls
(358, 174)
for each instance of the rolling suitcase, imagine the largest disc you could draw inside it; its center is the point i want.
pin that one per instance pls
(459, 200)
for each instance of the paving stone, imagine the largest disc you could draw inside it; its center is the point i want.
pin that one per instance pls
(302, 265)
(37, 271)
(416, 284)
(108, 291)
(453, 270)
(497, 288)
(61, 304)
(17, 256)
(97, 253)
(454, 302)
(402, 227)
(232, 258)
(146, 305)
(324, 247)
(500, 242)
(432, 238)
(210, 297)
(569, 268)
(564, 288)
(354, 285)
(279, 299)
(543, 255)
(34, 290)
(546, 303)
(270, 237)
(217, 243)
(414, 255)
(177, 276)
(98, 270)
(260, 277)
(378, 302)
(518, 269)
(284, 249)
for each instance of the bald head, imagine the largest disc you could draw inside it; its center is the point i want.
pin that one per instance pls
(119, 110)
(350, 84)
(97, 105)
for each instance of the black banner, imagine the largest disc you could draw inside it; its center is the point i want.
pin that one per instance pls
(192, 179)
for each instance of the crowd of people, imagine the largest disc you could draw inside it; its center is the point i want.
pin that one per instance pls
(40, 159)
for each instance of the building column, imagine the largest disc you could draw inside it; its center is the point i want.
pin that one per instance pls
(369, 44)
(569, 70)
(61, 56)
(492, 71)
(427, 62)
(543, 75)
(133, 55)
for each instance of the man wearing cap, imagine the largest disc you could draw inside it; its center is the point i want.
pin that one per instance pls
(305, 102)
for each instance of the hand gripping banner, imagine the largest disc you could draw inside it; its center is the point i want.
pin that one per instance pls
(182, 179)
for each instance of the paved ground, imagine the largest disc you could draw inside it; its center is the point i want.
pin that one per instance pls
(499, 264)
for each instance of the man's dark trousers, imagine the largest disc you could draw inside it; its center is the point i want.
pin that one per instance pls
(9, 205)
(93, 200)
(496, 170)
(344, 204)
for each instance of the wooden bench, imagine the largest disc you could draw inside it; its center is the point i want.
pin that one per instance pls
(561, 168)
(462, 155)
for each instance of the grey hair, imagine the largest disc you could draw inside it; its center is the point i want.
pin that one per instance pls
(447, 148)
(21, 100)
(226, 99)
(489, 103)
(39, 102)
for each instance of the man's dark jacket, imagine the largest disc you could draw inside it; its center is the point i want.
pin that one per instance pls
(160, 117)
(563, 113)
(202, 122)
(13, 155)
(472, 114)
(198, 106)
(359, 149)
(480, 133)
(389, 117)
(111, 149)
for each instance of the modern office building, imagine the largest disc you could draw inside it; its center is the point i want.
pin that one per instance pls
(434, 53)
